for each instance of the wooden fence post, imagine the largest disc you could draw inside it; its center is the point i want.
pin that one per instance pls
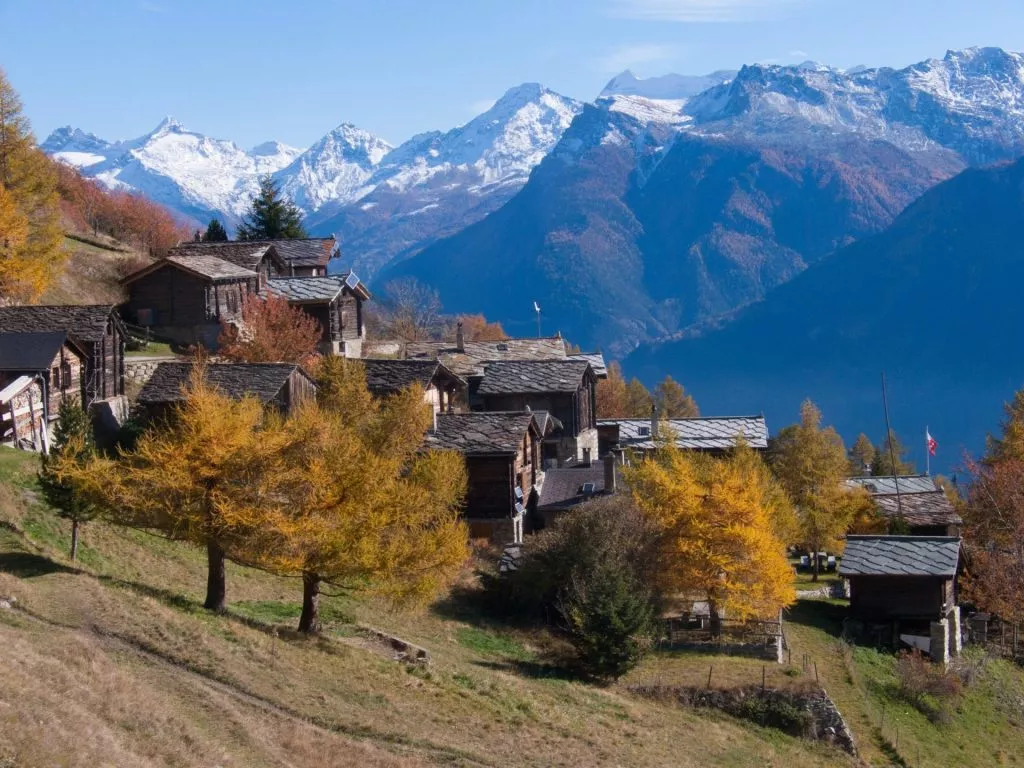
(710, 670)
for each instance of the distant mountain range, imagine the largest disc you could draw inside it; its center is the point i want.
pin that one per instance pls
(667, 204)
(933, 301)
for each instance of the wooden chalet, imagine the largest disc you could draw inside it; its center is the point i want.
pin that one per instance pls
(187, 295)
(442, 388)
(565, 389)
(502, 452)
(280, 386)
(305, 257)
(96, 330)
(901, 586)
(37, 371)
(924, 507)
(707, 434)
(336, 302)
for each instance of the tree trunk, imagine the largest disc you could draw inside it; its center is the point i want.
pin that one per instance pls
(309, 622)
(815, 566)
(216, 578)
(74, 540)
(716, 618)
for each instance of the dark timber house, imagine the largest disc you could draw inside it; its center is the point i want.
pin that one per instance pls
(900, 586)
(565, 389)
(335, 302)
(95, 329)
(387, 377)
(502, 452)
(37, 372)
(924, 507)
(280, 386)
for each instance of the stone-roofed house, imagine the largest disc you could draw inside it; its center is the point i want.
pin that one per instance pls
(709, 434)
(924, 507)
(96, 329)
(502, 452)
(281, 386)
(564, 488)
(300, 257)
(335, 302)
(37, 371)
(905, 583)
(566, 389)
(387, 377)
(184, 297)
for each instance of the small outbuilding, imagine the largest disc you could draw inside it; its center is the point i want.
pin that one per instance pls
(924, 508)
(441, 387)
(335, 302)
(710, 434)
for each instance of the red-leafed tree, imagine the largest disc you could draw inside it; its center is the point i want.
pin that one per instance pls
(270, 331)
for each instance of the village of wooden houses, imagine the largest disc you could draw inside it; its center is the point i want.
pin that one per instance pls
(525, 415)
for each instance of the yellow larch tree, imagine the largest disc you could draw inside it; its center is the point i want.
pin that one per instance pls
(358, 504)
(204, 476)
(717, 539)
(30, 181)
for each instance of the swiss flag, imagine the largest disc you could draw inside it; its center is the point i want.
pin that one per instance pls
(933, 445)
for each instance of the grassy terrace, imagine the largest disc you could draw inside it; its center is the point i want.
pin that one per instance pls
(115, 662)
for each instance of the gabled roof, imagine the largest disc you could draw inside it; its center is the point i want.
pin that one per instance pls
(475, 354)
(596, 360)
(22, 351)
(246, 254)
(86, 323)
(919, 509)
(703, 433)
(887, 484)
(261, 380)
(207, 267)
(564, 486)
(298, 252)
(307, 290)
(384, 377)
(475, 434)
(900, 556)
(507, 377)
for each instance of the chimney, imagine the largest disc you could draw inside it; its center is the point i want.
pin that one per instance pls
(609, 473)
(654, 421)
(460, 338)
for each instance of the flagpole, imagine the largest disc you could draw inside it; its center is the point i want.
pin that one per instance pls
(927, 452)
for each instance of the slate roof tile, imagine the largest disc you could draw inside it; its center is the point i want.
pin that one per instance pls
(887, 485)
(261, 380)
(932, 508)
(476, 354)
(900, 556)
(480, 433)
(211, 267)
(390, 376)
(20, 351)
(244, 254)
(517, 376)
(703, 433)
(562, 486)
(307, 290)
(87, 323)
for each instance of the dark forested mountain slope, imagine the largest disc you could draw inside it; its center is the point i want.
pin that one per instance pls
(934, 301)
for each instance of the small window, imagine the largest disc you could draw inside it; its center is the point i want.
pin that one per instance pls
(65, 375)
(55, 378)
(645, 432)
(502, 347)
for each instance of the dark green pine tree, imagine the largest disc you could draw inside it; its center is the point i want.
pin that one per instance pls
(883, 466)
(215, 232)
(72, 439)
(271, 217)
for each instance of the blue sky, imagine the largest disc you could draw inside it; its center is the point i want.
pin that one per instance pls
(257, 70)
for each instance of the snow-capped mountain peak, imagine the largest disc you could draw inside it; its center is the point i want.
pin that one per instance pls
(671, 87)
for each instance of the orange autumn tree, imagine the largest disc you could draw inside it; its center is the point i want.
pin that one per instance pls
(270, 331)
(716, 531)
(477, 328)
(202, 477)
(358, 504)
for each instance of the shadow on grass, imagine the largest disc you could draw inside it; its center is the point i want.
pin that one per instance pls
(165, 596)
(27, 565)
(819, 614)
(552, 669)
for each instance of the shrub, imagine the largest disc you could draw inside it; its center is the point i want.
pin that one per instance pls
(930, 688)
(775, 713)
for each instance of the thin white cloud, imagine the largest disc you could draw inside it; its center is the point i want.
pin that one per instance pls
(152, 7)
(700, 10)
(796, 53)
(634, 55)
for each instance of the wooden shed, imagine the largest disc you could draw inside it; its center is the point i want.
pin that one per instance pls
(441, 387)
(566, 389)
(95, 329)
(502, 453)
(335, 302)
(281, 386)
(923, 507)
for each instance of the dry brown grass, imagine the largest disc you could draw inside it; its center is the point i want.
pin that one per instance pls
(121, 653)
(91, 275)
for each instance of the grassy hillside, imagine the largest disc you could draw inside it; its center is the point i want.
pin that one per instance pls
(92, 273)
(114, 662)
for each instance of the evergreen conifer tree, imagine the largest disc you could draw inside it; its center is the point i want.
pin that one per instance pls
(271, 217)
(215, 232)
(72, 442)
(673, 401)
(883, 466)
